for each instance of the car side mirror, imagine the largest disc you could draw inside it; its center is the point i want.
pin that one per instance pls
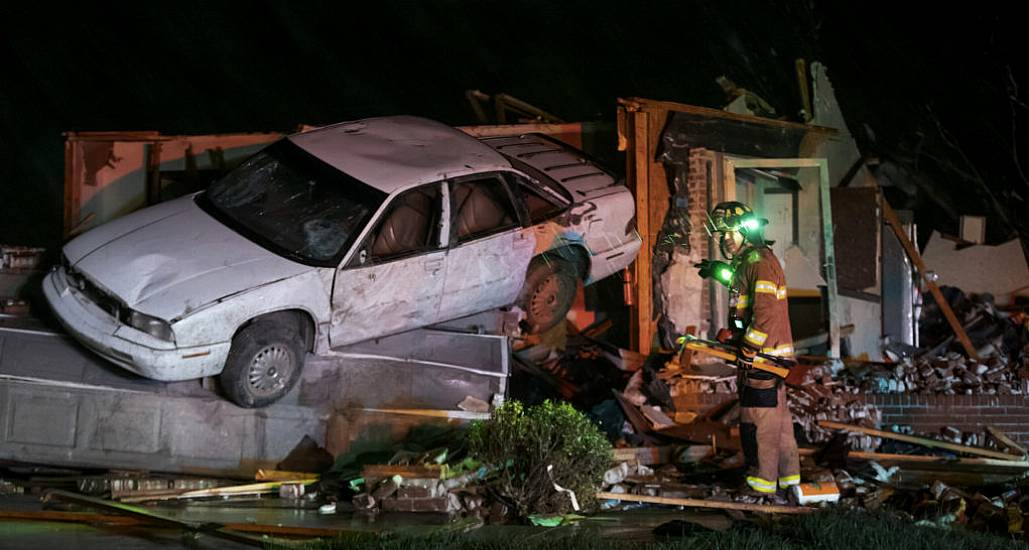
(362, 256)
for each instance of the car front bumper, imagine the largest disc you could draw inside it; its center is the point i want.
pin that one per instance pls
(125, 346)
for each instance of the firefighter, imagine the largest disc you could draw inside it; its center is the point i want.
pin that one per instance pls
(759, 322)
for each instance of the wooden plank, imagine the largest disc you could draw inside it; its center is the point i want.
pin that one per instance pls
(700, 503)
(928, 459)
(411, 472)
(229, 491)
(646, 456)
(777, 163)
(912, 252)
(283, 475)
(1003, 439)
(931, 443)
(433, 413)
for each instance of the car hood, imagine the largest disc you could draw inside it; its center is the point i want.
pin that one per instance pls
(171, 259)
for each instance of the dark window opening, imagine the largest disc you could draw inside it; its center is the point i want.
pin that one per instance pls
(538, 208)
(410, 226)
(480, 207)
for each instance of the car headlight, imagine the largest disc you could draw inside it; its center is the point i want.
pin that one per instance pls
(151, 325)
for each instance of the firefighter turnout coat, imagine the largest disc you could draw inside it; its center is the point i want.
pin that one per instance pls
(759, 315)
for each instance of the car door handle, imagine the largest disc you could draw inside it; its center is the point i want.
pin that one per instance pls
(433, 265)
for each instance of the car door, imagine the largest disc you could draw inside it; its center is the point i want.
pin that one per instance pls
(489, 248)
(394, 280)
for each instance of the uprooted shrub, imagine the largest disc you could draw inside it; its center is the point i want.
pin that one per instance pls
(533, 449)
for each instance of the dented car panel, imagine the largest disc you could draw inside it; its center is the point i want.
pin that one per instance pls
(441, 225)
(178, 263)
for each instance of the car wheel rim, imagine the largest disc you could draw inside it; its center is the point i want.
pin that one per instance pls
(270, 369)
(546, 299)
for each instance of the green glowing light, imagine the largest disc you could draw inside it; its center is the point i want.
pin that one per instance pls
(725, 274)
(751, 224)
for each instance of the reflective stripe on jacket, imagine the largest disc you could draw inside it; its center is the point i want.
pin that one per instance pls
(761, 302)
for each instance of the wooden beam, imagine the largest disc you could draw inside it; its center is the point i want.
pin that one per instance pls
(912, 252)
(928, 459)
(432, 413)
(644, 260)
(699, 503)
(777, 163)
(1006, 441)
(651, 104)
(925, 442)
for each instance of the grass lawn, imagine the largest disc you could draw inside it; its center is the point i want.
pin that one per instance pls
(830, 530)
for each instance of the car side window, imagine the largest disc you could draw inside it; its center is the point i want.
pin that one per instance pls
(409, 226)
(480, 207)
(537, 207)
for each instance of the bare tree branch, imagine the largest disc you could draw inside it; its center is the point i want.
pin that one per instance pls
(971, 172)
(1014, 102)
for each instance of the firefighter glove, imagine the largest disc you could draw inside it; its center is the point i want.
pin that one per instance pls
(714, 269)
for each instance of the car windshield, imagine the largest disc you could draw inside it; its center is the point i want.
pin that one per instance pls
(294, 204)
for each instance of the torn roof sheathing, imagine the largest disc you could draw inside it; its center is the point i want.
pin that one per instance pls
(1000, 270)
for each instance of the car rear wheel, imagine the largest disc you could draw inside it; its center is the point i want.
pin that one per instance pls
(264, 363)
(548, 292)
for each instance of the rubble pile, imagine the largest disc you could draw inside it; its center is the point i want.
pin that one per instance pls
(419, 488)
(821, 397)
(950, 374)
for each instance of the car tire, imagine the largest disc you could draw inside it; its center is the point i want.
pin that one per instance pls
(548, 292)
(265, 362)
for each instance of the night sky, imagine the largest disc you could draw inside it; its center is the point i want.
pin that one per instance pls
(934, 89)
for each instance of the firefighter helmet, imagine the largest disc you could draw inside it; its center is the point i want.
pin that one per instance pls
(734, 216)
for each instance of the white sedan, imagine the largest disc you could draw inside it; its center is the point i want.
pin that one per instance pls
(338, 235)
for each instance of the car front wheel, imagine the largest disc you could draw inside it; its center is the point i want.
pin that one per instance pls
(548, 292)
(264, 363)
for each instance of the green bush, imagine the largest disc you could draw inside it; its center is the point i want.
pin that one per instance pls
(521, 443)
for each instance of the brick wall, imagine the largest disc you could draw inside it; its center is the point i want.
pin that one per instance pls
(927, 413)
(701, 168)
(968, 413)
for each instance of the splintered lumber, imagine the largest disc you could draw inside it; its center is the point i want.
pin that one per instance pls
(283, 475)
(434, 413)
(943, 460)
(419, 471)
(912, 252)
(229, 491)
(925, 442)
(646, 456)
(1004, 440)
(700, 503)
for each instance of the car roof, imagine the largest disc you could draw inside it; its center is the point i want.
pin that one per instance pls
(396, 152)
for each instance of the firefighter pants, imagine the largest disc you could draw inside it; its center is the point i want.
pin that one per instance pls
(766, 434)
